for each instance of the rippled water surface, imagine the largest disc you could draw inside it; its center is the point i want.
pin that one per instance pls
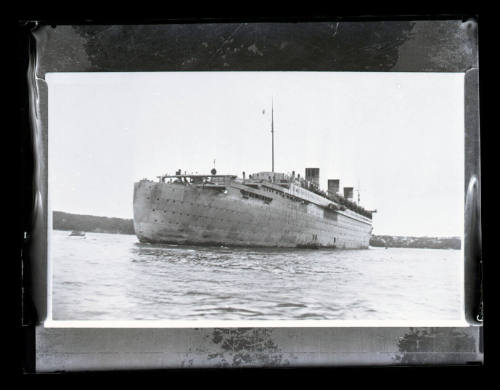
(114, 277)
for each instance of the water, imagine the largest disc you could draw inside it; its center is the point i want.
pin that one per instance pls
(114, 277)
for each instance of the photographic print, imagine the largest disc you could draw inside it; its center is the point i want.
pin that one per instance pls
(274, 196)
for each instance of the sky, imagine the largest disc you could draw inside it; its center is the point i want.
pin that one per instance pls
(397, 137)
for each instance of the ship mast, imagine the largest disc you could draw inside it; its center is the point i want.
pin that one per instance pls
(272, 134)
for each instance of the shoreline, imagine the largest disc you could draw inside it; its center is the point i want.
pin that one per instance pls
(95, 224)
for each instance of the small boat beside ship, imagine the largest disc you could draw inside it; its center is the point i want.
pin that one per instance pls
(77, 233)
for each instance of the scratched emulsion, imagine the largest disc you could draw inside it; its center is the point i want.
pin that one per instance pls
(114, 277)
(239, 347)
(436, 345)
(401, 46)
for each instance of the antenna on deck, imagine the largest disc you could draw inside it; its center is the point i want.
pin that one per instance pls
(213, 171)
(358, 190)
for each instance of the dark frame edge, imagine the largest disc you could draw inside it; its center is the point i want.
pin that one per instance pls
(39, 210)
(28, 314)
(473, 274)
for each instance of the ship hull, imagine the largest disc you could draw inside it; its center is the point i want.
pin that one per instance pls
(179, 214)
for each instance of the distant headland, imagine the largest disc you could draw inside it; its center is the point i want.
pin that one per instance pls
(91, 223)
(416, 242)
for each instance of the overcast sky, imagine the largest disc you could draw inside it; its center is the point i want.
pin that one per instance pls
(398, 136)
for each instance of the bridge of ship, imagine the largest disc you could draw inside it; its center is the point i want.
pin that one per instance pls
(214, 180)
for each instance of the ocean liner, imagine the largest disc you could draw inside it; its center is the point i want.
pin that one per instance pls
(267, 209)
